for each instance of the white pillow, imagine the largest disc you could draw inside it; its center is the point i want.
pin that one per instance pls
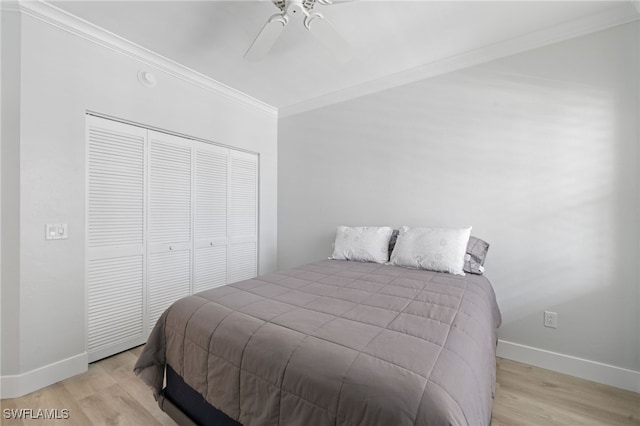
(362, 243)
(435, 249)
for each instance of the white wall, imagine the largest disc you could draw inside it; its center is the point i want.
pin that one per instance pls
(10, 193)
(62, 76)
(538, 151)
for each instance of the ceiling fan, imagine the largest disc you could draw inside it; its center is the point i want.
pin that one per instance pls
(313, 21)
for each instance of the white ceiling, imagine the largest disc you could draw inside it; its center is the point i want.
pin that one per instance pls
(388, 37)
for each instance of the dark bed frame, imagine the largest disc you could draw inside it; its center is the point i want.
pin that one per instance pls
(178, 398)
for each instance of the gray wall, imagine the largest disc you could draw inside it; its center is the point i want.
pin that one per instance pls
(62, 76)
(538, 152)
(10, 193)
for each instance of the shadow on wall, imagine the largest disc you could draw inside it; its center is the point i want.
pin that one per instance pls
(539, 167)
(553, 182)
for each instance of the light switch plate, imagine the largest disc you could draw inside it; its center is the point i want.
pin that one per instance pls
(55, 231)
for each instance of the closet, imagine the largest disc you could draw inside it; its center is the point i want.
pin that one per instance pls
(167, 216)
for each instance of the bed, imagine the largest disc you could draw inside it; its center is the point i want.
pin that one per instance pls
(334, 342)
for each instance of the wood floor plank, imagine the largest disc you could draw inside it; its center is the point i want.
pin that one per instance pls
(11, 404)
(88, 383)
(120, 369)
(109, 393)
(548, 398)
(114, 406)
(54, 398)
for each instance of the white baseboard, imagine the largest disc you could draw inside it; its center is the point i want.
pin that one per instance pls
(18, 385)
(566, 364)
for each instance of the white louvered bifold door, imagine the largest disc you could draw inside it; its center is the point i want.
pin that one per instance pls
(166, 216)
(115, 237)
(210, 219)
(169, 233)
(242, 245)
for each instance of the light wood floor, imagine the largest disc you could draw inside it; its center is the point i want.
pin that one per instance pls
(110, 394)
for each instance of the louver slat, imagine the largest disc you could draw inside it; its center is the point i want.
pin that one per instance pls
(169, 222)
(169, 277)
(210, 268)
(243, 195)
(115, 299)
(243, 217)
(116, 187)
(242, 262)
(169, 192)
(211, 194)
(210, 256)
(115, 236)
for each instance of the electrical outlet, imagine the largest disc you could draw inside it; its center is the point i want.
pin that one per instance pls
(550, 319)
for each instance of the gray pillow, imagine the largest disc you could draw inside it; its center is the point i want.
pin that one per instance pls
(392, 240)
(476, 252)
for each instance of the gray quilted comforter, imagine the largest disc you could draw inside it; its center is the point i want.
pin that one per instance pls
(335, 343)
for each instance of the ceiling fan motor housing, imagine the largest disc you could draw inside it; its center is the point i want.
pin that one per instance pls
(293, 6)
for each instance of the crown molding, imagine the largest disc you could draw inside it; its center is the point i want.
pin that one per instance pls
(620, 15)
(65, 21)
(61, 19)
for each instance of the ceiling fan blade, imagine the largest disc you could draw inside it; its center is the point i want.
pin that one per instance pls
(332, 2)
(328, 36)
(267, 37)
